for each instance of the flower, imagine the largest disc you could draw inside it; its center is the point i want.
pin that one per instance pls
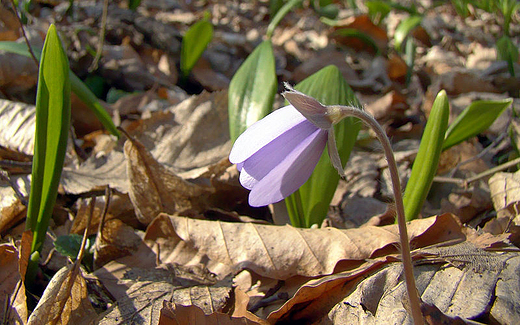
(276, 155)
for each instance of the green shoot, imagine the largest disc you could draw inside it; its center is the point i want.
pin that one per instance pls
(52, 128)
(252, 90)
(427, 159)
(194, 43)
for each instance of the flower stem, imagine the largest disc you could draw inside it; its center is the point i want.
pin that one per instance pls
(413, 295)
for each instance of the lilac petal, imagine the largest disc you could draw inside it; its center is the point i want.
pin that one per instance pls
(291, 173)
(264, 131)
(256, 167)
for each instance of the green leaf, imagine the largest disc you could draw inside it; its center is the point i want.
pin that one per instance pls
(133, 4)
(68, 245)
(427, 159)
(252, 90)
(377, 10)
(310, 204)
(77, 86)
(194, 43)
(52, 129)
(403, 29)
(284, 10)
(475, 118)
(507, 51)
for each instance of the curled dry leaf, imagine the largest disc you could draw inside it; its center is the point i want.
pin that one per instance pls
(155, 189)
(281, 252)
(373, 293)
(64, 301)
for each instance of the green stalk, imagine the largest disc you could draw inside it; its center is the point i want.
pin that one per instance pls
(51, 134)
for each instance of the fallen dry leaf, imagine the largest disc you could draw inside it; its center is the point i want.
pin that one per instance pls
(17, 128)
(64, 300)
(12, 290)
(144, 299)
(155, 189)
(505, 189)
(365, 25)
(175, 314)
(281, 252)
(374, 292)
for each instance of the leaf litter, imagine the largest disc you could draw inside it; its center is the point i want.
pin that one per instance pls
(177, 242)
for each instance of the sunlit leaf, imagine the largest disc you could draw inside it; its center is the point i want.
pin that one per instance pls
(194, 43)
(427, 159)
(475, 118)
(403, 29)
(252, 90)
(52, 128)
(377, 10)
(310, 204)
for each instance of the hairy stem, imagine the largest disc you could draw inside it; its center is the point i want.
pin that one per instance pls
(401, 220)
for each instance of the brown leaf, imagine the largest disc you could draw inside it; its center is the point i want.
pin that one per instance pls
(505, 189)
(174, 314)
(143, 300)
(155, 189)
(11, 286)
(363, 24)
(281, 252)
(374, 292)
(64, 301)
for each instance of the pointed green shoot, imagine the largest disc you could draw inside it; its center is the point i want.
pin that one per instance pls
(403, 29)
(475, 118)
(52, 128)
(309, 204)
(252, 90)
(507, 51)
(77, 86)
(194, 43)
(427, 159)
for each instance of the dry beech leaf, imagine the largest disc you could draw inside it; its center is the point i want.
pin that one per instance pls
(11, 286)
(373, 293)
(64, 302)
(96, 173)
(505, 189)
(175, 314)
(117, 239)
(17, 126)
(189, 137)
(144, 299)
(281, 252)
(155, 189)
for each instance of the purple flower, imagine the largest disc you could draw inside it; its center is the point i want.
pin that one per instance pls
(276, 155)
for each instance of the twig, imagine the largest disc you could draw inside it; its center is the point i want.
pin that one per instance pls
(24, 35)
(108, 196)
(466, 181)
(480, 155)
(101, 40)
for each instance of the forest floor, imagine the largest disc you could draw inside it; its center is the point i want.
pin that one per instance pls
(171, 237)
